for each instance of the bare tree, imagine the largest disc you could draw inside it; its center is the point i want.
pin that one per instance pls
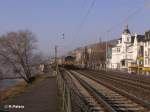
(16, 51)
(39, 58)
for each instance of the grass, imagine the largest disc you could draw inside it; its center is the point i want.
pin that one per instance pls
(16, 90)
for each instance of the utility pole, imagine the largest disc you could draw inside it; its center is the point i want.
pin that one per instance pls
(56, 59)
(100, 45)
(100, 40)
(106, 54)
(85, 57)
(107, 48)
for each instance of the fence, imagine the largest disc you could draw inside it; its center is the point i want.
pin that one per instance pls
(71, 99)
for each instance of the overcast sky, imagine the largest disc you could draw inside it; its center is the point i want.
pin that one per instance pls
(49, 19)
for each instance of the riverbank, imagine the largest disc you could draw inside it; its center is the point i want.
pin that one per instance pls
(41, 97)
(7, 83)
(12, 91)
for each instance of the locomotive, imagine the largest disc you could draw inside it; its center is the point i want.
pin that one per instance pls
(69, 62)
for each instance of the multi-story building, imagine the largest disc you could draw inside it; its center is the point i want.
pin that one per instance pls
(91, 56)
(126, 53)
(147, 53)
(96, 55)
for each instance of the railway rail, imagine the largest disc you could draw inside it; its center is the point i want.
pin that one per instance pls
(101, 98)
(135, 83)
(137, 88)
(134, 77)
(80, 95)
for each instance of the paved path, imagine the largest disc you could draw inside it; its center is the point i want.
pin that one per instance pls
(43, 97)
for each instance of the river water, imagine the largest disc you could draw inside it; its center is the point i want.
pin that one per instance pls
(8, 83)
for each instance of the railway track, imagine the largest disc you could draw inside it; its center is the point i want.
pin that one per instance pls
(133, 83)
(133, 77)
(138, 89)
(102, 98)
(90, 104)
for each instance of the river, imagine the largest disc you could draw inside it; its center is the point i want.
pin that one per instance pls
(5, 83)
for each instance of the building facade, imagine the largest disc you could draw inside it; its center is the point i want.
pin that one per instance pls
(147, 53)
(126, 53)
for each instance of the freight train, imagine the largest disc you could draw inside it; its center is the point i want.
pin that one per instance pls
(69, 62)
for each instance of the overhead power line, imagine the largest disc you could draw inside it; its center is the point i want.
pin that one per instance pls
(80, 26)
(138, 10)
(87, 13)
(85, 18)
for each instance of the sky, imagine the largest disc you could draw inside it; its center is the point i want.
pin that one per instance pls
(49, 19)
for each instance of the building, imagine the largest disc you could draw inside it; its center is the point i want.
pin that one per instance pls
(147, 53)
(78, 54)
(96, 55)
(91, 56)
(127, 53)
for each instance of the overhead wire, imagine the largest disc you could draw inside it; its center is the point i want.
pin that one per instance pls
(79, 28)
(111, 28)
(126, 18)
(86, 15)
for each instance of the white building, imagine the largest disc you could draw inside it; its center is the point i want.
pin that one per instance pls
(147, 53)
(127, 50)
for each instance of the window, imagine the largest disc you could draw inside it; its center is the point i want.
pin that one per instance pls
(145, 61)
(118, 49)
(149, 43)
(148, 52)
(141, 51)
(145, 53)
(127, 39)
(123, 62)
(148, 61)
(140, 62)
(146, 44)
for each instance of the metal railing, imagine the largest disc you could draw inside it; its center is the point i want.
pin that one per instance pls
(71, 99)
(65, 93)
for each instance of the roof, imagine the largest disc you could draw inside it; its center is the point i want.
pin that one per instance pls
(140, 38)
(147, 36)
(126, 30)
